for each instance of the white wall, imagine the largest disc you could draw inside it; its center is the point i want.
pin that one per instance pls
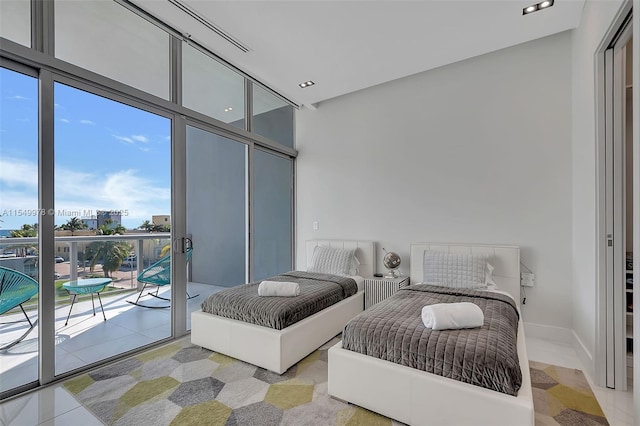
(478, 151)
(597, 17)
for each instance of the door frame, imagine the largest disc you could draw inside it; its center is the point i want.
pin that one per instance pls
(609, 359)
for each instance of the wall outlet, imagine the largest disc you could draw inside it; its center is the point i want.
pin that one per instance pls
(316, 225)
(527, 279)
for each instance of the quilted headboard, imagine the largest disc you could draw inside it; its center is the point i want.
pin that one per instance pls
(505, 260)
(365, 252)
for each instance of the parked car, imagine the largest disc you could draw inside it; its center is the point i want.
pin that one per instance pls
(130, 261)
(59, 259)
(56, 275)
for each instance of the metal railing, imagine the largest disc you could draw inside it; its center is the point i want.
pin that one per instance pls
(73, 241)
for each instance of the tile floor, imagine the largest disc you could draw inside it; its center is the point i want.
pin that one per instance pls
(617, 405)
(55, 406)
(88, 338)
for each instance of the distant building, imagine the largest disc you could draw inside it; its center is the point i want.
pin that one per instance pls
(105, 215)
(161, 220)
(92, 222)
(27, 265)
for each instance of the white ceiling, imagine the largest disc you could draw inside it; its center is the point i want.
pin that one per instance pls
(344, 46)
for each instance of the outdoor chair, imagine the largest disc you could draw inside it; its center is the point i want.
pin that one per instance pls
(158, 274)
(15, 289)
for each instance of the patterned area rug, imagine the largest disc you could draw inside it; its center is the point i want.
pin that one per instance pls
(182, 384)
(562, 396)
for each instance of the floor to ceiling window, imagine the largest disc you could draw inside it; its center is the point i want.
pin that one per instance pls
(132, 117)
(19, 216)
(112, 177)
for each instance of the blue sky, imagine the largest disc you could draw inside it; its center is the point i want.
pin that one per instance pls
(108, 156)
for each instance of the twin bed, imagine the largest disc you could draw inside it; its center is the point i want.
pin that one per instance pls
(376, 379)
(420, 398)
(277, 350)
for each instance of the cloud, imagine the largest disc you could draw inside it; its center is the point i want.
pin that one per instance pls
(140, 138)
(87, 122)
(132, 138)
(18, 208)
(145, 149)
(124, 190)
(19, 97)
(64, 120)
(128, 190)
(123, 138)
(16, 172)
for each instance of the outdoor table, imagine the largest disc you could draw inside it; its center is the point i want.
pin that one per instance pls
(86, 286)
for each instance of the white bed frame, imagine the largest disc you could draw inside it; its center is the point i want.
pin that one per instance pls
(277, 350)
(419, 398)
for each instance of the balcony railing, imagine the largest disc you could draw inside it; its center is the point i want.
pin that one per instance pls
(142, 259)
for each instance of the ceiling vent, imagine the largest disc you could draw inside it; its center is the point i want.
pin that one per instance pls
(204, 21)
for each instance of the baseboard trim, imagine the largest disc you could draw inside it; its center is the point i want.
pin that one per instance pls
(566, 336)
(585, 357)
(548, 332)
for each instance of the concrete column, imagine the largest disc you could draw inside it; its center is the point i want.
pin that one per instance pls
(73, 260)
(139, 260)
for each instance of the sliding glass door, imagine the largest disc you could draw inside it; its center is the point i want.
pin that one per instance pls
(272, 214)
(19, 218)
(216, 213)
(118, 154)
(112, 192)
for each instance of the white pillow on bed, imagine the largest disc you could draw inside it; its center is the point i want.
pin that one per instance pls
(336, 261)
(456, 270)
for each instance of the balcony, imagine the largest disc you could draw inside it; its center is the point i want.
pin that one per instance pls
(88, 339)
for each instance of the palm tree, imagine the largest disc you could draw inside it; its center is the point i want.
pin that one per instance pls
(166, 249)
(74, 224)
(160, 228)
(107, 229)
(26, 231)
(147, 226)
(112, 254)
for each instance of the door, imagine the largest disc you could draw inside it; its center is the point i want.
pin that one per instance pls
(615, 197)
(112, 177)
(216, 213)
(19, 219)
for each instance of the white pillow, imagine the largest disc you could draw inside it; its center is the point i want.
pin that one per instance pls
(336, 261)
(488, 279)
(455, 270)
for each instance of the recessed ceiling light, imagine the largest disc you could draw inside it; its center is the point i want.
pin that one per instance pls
(228, 109)
(306, 84)
(538, 6)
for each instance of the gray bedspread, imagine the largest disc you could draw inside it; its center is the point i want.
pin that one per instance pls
(317, 292)
(392, 330)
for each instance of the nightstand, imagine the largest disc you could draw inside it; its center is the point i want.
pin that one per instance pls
(378, 289)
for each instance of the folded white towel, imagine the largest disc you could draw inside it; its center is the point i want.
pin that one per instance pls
(278, 288)
(443, 316)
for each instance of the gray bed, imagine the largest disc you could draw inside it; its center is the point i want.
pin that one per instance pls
(317, 292)
(393, 331)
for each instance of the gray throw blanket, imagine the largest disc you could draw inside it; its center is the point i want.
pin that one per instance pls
(317, 292)
(392, 330)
